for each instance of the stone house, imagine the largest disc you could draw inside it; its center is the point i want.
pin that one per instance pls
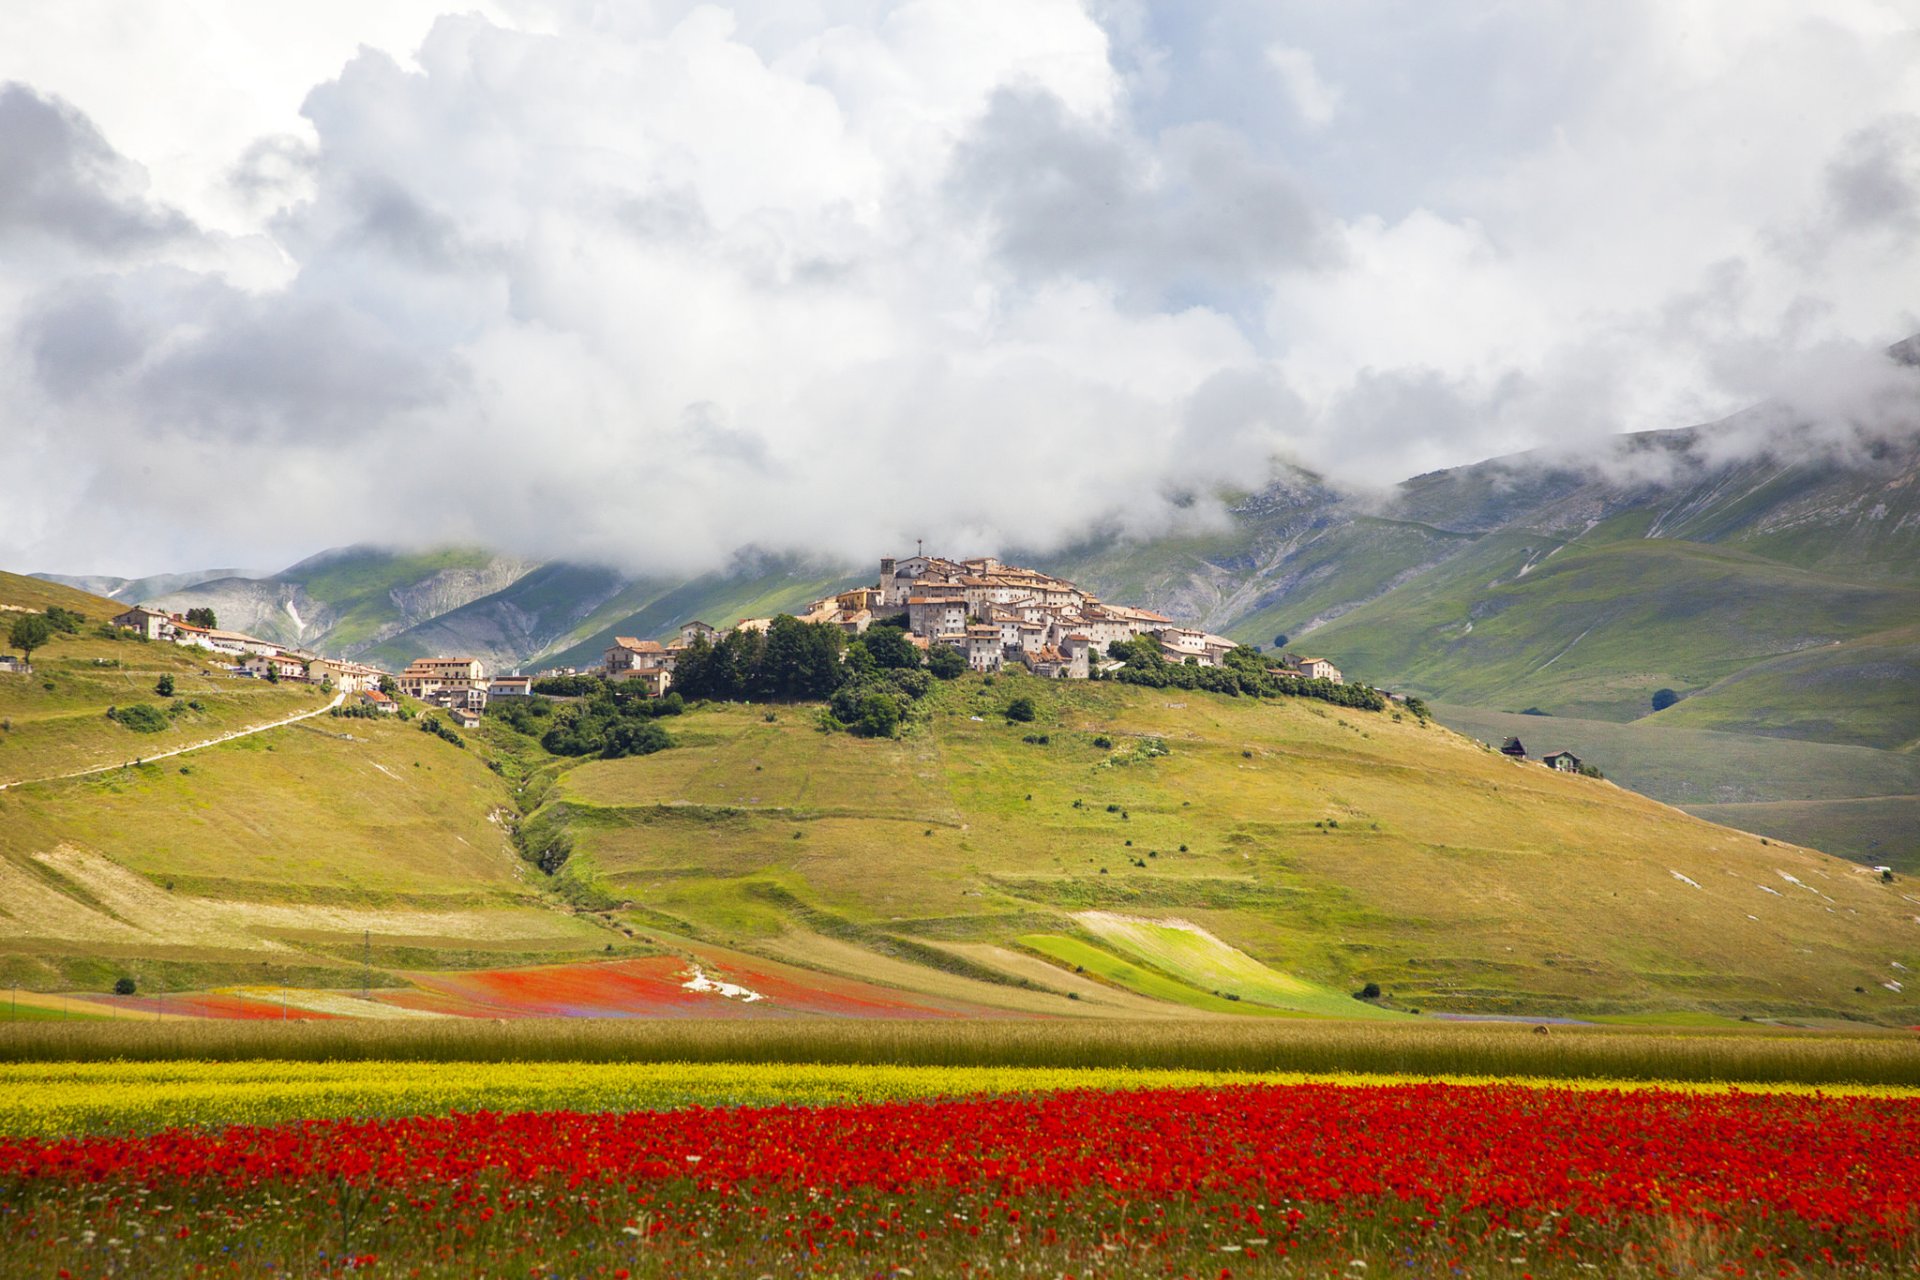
(426, 676)
(1319, 669)
(154, 624)
(627, 654)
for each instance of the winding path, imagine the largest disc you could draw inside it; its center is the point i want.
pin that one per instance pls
(338, 698)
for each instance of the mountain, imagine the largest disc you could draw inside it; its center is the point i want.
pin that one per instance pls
(391, 606)
(138, 590)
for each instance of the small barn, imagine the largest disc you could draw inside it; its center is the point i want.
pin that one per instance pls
(1514, 748)
(1564, 761)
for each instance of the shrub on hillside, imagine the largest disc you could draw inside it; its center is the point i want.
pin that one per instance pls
(164, 686)
(530, 716)
(1020, 709)
(64, 621)
(1664, 698)
(441, 729)
(141, 717)
(946, 663)
(124, 986)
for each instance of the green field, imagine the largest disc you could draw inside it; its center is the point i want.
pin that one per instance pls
(1334, 847)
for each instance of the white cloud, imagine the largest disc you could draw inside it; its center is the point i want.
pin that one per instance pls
(1313, 98)
(649, 283)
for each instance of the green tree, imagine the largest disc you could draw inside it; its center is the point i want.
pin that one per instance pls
(879, 716)
(1020, 709)
(29, 632)
(891, 648)
(1664, 698)
(800, 662)
(1280, 641)
(389, 686)
(202, 617)
(164, 686)
(945, 662)
(273, 673)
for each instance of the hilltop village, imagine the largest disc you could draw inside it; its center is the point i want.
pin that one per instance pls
(990, 614)
(993, 615)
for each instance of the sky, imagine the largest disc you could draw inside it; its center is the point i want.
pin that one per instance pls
(648, 283)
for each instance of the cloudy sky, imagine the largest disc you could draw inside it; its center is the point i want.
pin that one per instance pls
(647, 282)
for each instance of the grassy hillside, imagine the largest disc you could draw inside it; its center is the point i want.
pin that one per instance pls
(54, 720)
(1858, 802)
(1864, 692)
(1325, 848)
(290, 856)
(1593, 631)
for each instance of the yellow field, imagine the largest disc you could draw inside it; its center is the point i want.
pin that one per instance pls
(56, 1098)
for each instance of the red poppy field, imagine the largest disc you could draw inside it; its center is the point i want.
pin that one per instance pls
(1403, 1179)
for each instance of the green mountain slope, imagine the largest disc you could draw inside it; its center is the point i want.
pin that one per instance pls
(1594, 631)
(1330, 848)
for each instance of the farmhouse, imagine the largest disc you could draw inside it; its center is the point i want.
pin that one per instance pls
(426, 676)
(1564, 761)
(379, 702)
(510, 687)
(465, 717)
(1318, 669)
(1515, 748)
(154, 624)
(281, 667)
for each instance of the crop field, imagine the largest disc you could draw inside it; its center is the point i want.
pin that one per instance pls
(625, 1170)
(1740, 1053)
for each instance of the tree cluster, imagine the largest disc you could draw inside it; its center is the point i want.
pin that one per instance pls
(202, 617)
(568, 686)
(869, 683)
(1244, 672)
(612, 723)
